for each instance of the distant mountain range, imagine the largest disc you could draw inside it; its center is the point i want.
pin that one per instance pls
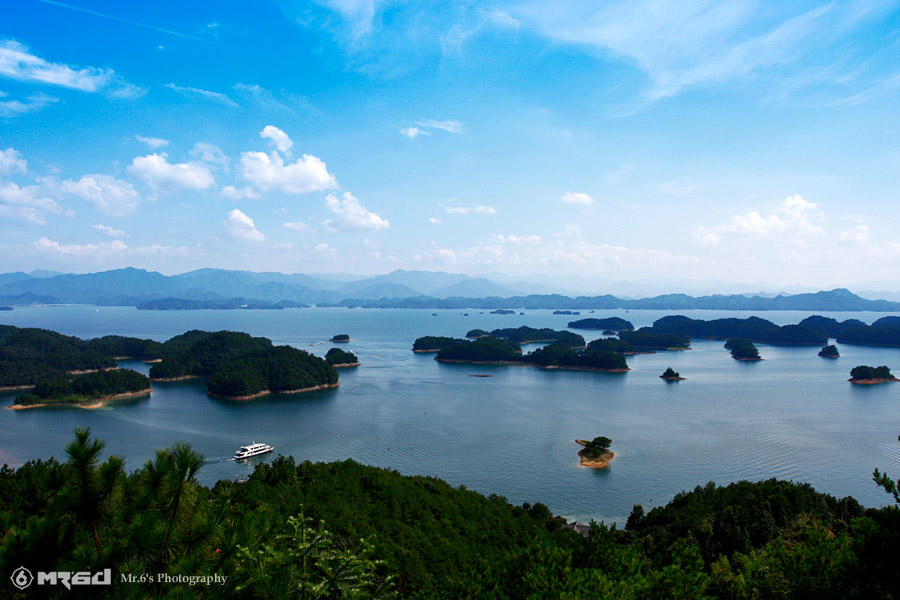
(219, 288)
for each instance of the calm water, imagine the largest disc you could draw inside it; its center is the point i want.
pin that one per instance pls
(792, 416)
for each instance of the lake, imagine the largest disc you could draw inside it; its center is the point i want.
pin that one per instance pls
(792, 416)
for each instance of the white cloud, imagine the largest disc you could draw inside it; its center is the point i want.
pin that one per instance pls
(434, 220)
(680, 186)
(268, 171)
(153, 142)
(464, 210)
(16, 62)
(278, 137)
(34, 102)
(241, 227)
(857, 235)
(108, 194)
(157, 171)
(109, 231)
(192, 92)
(681, 44)
(297, 226)
(49, 246)
(210, 154)
(577, 198)
(350, 214)
(450, 126)
(11, 161)
(25, 203)
(413, 132)
(795, 218)
(233, 193)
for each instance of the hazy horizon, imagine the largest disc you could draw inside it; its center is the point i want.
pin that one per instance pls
(666, 146)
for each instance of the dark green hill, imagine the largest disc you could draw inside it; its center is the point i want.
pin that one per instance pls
(611, 324)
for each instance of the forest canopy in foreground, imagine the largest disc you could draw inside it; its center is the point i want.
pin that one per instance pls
(368, 532)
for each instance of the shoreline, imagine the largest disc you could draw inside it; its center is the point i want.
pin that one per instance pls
(747, 359)
(14, 388)
(872, 381)
(594, 463)
(324, 386)
(510, 363)
(87, 404)
(679, 378)
(346, 365)
(181, 378)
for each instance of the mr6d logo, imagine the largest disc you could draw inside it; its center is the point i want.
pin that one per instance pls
(22, 578)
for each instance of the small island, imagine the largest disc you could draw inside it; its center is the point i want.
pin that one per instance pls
(341, 338)
(340, 359)
(829, 351)
(6, 308)
(596, 453)
(503, 311)
(671, 375)
(91, 390)
(566, 312)
(866, 375)
(474, 334)
(743, 349)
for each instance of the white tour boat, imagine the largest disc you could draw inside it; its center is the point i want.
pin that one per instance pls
(253, 449)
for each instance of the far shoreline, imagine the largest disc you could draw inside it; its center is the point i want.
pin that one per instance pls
(511, 363)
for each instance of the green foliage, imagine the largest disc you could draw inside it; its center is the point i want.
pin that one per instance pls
(829, 351)
(742, 349)
(276, 369)
(611, 344)
(306, 562)
(865, 372)
(670, 373)
(433, 343)
(336, 356)
(525, 334)
(28, 356)
(646, 337)
(119, 346)
(751, 328)
(611, 324)
(201, 354)
(82, 388)
(341, 337)
(489, 349)
(476, 333)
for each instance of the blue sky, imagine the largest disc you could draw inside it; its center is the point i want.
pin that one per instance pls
(740, 142)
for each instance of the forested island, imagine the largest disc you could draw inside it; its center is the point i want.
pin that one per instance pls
(866, 375)
(341, 338)
(433, 343)
(596, 453)
(340, 359)
(743, 349)
(242, 367)
(829, 351)
(671, 374)
(90, 389)
(558, 355)
(608, 324)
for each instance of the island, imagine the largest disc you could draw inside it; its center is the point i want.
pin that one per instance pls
(341, 338)
(829, 351)
(242, 367)
(566, 312)
(743, 349)
(596, 453)
(91, 390)
(477, 333)
(503, 311)
(434, 343)
(531, 335)
(866, 375)
(612, 344)
(751, 328)
(6, 308)
(558, 355)
(609, 324)
(671, 375)
(340, 359)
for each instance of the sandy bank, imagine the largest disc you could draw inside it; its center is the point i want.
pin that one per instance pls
(594, 463)
(325, 386)
(87, 404)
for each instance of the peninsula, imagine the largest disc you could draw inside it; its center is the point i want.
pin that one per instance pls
(596, 453)
(90, 390)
